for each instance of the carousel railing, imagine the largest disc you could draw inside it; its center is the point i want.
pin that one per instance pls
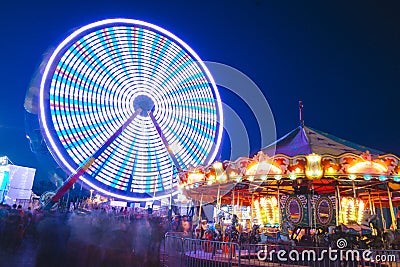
(198, 252)
(172, 254)
(187, 252)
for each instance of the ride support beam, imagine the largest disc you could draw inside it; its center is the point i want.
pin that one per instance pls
(337, 191)
(392, 215)
(88, 163)
(381, 211)
(165, 142)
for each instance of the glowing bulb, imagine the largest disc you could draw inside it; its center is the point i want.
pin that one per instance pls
(217, 165)
(278, 177)
(367, 177)
(331, 170)
(263, 177)
(196, 177)
(222, 177)
(292, 176)
(396, 178)
(233, 175)
(352, 177)
(274, 201)
(251, 178)
(382, 177)
(297, 170)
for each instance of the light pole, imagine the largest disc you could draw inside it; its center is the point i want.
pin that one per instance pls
(91, 195)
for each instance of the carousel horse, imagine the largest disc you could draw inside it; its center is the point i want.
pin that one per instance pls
(209, 235)
(231, 234)
(254, 237)
(391, 239)
(322, 237)
(361, 236)
(283, 234)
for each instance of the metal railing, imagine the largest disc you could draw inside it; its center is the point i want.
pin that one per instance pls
(180, 251)
(199, 252)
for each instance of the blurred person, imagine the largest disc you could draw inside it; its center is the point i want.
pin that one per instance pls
(11, 235)
(149, 210)
(175, 225)
(28, 220)
(186, 225)
(53, 236)
(20, 210)
(3, 221)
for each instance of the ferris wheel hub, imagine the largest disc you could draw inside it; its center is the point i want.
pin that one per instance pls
(145, 103)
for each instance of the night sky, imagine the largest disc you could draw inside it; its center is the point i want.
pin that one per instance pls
(341, 59)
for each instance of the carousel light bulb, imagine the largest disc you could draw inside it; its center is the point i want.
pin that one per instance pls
(222, 177)
(331, 170)
(367, 177)
(297, 170)
(263, 177)
(292, 176)
(278, 177)
(251, 178)
(195, 177)
(217, 165)
(263, 202)
(352, 177)
(396, 178)
(233, 175)
(382, 177)
(274, 201)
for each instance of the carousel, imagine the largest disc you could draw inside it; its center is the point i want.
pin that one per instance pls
(308, 188)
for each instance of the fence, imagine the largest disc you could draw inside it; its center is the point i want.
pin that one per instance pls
(180, 251)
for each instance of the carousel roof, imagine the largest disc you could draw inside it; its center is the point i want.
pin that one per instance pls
(305, 140)
(303, 160)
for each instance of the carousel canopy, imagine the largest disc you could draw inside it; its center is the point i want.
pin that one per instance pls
(305, 140)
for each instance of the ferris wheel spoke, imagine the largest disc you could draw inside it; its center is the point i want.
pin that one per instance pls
(159, 182)
(75, 176)
(165, 142)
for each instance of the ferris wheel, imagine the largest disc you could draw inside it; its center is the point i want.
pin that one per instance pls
(124, 104)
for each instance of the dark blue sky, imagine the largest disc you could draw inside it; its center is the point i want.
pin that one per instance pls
(341, 59)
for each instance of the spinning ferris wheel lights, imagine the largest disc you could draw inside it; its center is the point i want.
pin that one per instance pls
(98, 78)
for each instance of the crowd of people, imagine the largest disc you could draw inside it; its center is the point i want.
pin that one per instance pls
(91, 236)
(15, 223)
